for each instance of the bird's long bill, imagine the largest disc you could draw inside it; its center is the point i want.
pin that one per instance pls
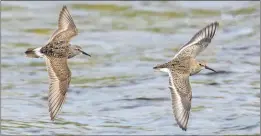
(85, 53)
(206, 67)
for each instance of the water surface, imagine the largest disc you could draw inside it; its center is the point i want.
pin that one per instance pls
(116, 91)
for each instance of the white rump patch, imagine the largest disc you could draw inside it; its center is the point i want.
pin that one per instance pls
(37, 52)
(164, 70)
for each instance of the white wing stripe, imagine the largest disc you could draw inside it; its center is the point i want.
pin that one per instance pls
(180, 112)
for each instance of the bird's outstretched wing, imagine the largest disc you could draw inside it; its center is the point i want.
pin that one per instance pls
(181, 97)
(59, 80)
(66, 27)
(198, 42)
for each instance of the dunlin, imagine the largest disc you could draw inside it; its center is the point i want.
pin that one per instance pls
(56, 52)
(181, 67)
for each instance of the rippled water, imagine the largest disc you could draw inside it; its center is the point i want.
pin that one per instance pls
(116, 91)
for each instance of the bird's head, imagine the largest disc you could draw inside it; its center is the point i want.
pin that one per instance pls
(76, 50)
(203, 65)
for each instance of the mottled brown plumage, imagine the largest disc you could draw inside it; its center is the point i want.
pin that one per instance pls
(56, 52)
(59, 79)
(66, 27)
(57, 49)
(181, 67)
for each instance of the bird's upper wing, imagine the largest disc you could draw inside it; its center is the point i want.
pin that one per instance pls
(59, 80)
(198, 42)
(66, 27)
(181, 97)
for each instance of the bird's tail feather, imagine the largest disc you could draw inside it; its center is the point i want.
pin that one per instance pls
(33, 53)
(160, 66)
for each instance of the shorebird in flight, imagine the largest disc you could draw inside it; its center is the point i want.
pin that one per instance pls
(181, 67)
(56, 52)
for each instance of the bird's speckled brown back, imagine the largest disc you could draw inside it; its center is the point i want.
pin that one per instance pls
(57, 49)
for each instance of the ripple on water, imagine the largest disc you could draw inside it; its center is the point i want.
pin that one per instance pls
(116, 91)
(42, 31)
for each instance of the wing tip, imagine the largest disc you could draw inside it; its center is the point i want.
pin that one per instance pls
(182, 126)
(64, 13)
(64, 10)
(51, 115)
(52, 118)
(213, 26)
(183, 121)
(54, 112)
(216, 23)
(208, 31)
(64, 7)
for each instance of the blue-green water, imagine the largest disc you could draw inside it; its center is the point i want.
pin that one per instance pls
(116, 91)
